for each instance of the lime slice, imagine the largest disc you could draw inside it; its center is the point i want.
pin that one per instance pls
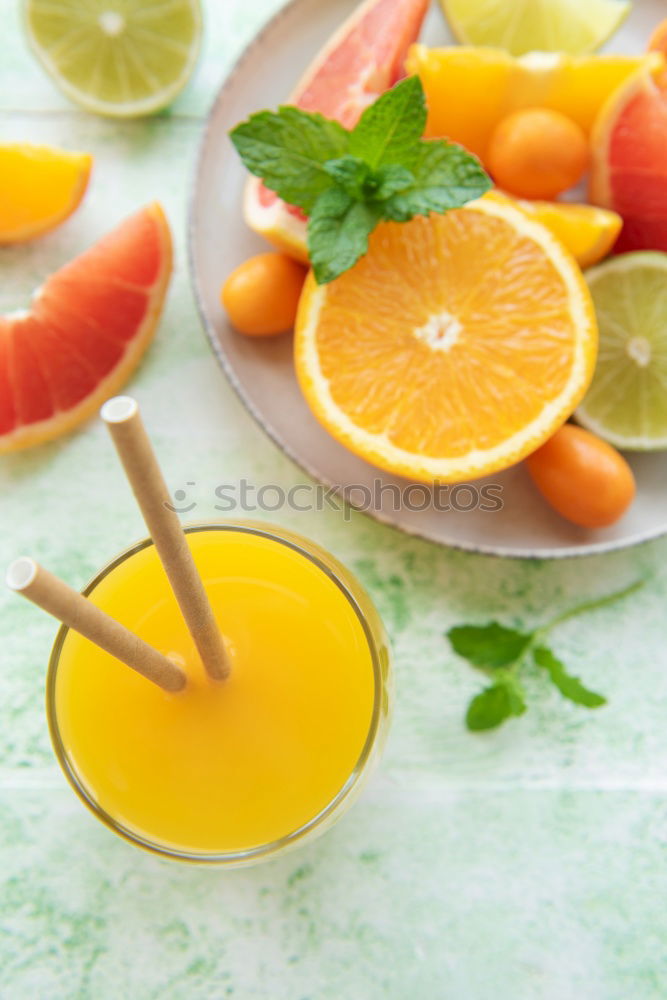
(573, 26)
(116, 57)
(627, 400)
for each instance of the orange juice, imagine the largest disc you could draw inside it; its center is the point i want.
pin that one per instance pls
(233, 770)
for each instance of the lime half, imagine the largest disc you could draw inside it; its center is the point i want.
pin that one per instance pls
(116, 57)
(627, 400)
(573, 26)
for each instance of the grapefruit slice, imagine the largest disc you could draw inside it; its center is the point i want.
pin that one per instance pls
(454, 348)
(86, 330)
(363, 59)
(40, 187)
(629, 160)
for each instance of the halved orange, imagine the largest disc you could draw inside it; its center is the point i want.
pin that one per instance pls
(39, 188)
(454, 348)
(85, 332)
(363, 58)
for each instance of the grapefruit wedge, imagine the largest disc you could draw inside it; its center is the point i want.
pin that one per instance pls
(629, 160)
(362, 59)
(85, 332)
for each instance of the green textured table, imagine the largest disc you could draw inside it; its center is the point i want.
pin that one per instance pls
(525, 863)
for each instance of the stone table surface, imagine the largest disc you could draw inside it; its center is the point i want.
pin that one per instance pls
(524, 863)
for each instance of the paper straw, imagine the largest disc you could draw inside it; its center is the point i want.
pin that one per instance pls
(122, 417)
(53, 595)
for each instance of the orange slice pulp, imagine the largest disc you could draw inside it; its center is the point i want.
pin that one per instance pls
(495, 84)
(454, 348)
(39, 188)
(588, 232)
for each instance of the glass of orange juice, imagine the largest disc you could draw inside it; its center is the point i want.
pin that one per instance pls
(237, 771)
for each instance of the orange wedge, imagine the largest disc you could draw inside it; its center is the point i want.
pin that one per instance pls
(588, 232)
(495, 83)
(87, 328)
(454, 348)
(39, 188)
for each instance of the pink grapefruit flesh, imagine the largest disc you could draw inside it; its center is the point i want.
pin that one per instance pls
(87, 328)
(359, 62)
(629, 160)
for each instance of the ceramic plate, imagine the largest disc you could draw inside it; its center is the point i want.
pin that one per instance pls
(501, 515)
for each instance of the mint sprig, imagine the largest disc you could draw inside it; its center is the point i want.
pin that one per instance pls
(348, 181)
(502, 652)
(389, 130)
(288, 149)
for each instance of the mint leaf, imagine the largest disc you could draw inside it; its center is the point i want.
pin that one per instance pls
(350, 173)
(380, 170)
(488, 646)
(338, 231)
(516, 699)
(569, 686)
(288, 149)
(493, 705)
(387, 180)
(501, 652)
(389, 129)
(357, 179)
(446, 176)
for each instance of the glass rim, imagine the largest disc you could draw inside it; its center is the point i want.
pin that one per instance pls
(262, 850)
